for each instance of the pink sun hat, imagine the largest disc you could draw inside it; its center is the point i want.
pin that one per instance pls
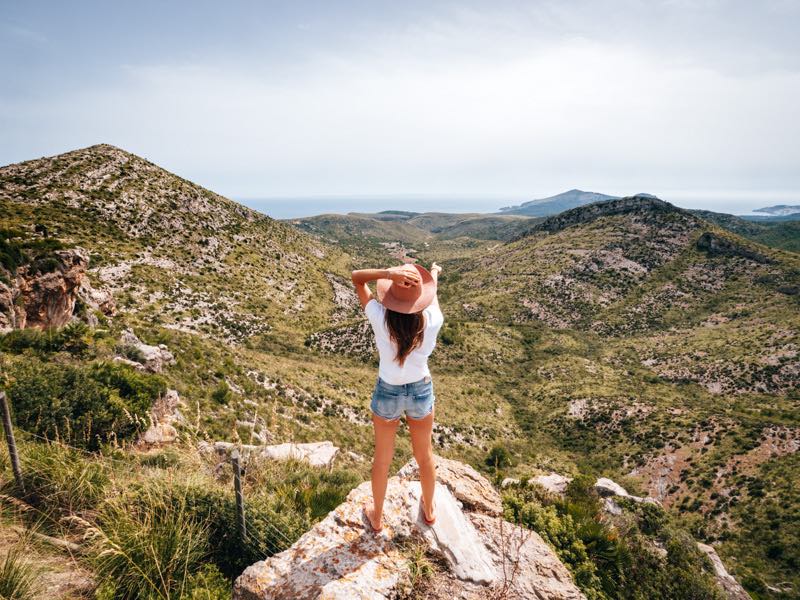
(407, 298)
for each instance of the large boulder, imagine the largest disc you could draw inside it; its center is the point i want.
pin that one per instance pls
(153, 358)
(317, 454)
(730, 587)
(163, 416)
(341, 558)
(466, 484)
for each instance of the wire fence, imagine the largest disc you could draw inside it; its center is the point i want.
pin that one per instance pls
(267, 538)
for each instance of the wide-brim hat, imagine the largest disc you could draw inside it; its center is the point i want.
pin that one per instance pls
(407, 299)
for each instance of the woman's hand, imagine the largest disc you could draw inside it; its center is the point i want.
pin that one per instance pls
(435, 270)
(404, 275)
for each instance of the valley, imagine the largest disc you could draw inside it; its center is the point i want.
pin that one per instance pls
(625, 338)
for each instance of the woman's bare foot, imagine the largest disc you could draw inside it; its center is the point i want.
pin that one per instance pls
(369, 510)
(432, 519)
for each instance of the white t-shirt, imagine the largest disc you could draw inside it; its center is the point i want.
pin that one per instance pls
(415, 366)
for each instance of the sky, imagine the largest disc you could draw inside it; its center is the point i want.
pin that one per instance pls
(485, 103)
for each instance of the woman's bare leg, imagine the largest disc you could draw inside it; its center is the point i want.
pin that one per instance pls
(385, 431)
(422, 444)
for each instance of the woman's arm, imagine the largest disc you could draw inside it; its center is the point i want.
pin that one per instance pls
(435, 270)
(363, 276)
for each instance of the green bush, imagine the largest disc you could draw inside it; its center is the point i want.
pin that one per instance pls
(73, 338)
(85, 405)
(270, 530)
(605, 564)
(498, 457)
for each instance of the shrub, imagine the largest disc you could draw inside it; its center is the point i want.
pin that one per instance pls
(269, 529)
(499, 457)
(84, 405)
(605, 565)
(73, 338)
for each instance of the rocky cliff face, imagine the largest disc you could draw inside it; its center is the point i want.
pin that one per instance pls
(44, 294)
(480, 555)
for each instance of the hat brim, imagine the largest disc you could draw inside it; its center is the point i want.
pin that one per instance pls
(389, 293)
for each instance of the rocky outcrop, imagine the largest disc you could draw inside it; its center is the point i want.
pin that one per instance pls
(730, 587)
(164, 415)
(716, 245)
(341, 558)
(464, 482)
(43, 294)
(153, 358)
(317, 454)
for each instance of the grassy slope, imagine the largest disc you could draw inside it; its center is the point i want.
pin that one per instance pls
(502, 375)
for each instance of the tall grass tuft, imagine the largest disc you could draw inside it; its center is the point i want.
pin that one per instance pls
(61, 481)
(152, 547)
(18, 576)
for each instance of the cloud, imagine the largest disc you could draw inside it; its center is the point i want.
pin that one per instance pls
(514, 102)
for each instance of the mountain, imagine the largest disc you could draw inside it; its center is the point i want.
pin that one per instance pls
(625, 340)
(778, 232)
(552, 205)
(780, 210)
(172, 251)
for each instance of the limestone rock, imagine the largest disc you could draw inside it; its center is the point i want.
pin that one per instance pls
(98, 299)
(466, 484)
(555, 483)
(508, 481)
(154, 357)
(732, 589)
(607, 487)
(317, 454)
(160, 433)
(43, 299)
(163, 414)
(341, 558)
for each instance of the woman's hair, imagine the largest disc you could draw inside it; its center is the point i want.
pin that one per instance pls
(406, 330)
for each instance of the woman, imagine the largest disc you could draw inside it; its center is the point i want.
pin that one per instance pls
(406, 319)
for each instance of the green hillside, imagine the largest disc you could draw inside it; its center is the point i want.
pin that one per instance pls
(627, 339)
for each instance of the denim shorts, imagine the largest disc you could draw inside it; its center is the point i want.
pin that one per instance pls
(414, 399)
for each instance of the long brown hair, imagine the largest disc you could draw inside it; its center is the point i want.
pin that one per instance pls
(406, 330)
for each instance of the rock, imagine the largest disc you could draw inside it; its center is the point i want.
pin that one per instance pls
(318, 454)
(341, 558)
(153, 357)
(611, 507)
(554, 483)
(131, 363)
(97, 299)
(466, 484)
(163, 414)
(160, 433)
(732, 589)
(508, 481)
(43, 299)
(606, 487)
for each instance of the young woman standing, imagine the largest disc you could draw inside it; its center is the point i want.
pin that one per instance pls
(406, 319)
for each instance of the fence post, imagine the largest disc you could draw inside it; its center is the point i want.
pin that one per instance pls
(237, 486)
(12, 444)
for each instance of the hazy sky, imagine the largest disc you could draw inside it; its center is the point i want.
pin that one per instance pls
(501, 99)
